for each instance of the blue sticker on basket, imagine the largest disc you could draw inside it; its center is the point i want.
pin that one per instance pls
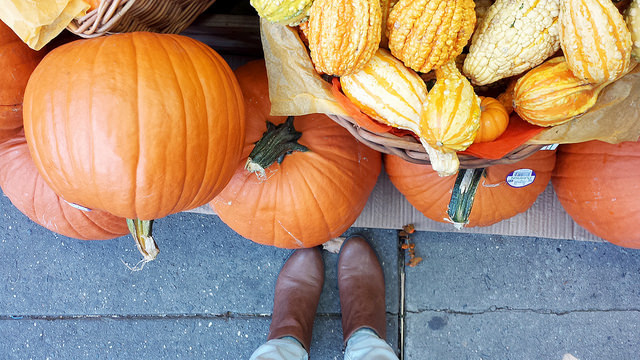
(521, 178)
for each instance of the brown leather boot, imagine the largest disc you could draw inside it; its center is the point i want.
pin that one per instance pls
(297, 295)
(361, 286)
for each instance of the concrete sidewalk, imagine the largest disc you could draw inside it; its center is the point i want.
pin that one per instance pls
(209, 295)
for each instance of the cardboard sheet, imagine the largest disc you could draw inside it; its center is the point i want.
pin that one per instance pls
(388, 209)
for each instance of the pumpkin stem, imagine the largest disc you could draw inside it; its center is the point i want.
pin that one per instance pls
(463, 195)
(141, 231)
(275, 143)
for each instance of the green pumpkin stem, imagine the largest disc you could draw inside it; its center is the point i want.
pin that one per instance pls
(277, 142)
(463, 195)
(141, 232)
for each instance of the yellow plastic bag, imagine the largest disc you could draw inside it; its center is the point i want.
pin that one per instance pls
(37, 22)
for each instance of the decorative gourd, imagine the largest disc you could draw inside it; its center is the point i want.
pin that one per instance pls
(551, 94)
(140, 125)
(426, 34)
(17, 61)
(449, 119)
(387, 91)
(494, 120)
(306, 185)
(495, 200)
(343, 34)
(594, 39)
(23, 185)
(285, 12)
(513, 37)
(597, 184)
(506, 97)
(385, 7)
(632, 19)
(482, 8)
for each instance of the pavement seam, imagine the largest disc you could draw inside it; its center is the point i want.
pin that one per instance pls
(401, 295)
(494, 309)
(225, 316)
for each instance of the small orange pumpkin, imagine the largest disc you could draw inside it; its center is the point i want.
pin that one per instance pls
(494, 120)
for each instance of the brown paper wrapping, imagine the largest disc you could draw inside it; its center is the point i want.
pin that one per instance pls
(295, 88)
(38, 22)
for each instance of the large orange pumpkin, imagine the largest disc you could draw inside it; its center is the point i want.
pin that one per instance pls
(495, 199)
(23, 185)
(17, 61)
(597, 184)
(140, 125)
(309, 185)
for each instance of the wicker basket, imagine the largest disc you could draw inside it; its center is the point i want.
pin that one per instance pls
(410, 149)
(160, 16)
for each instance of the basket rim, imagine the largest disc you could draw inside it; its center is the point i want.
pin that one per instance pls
(112, 13)
(410, 149)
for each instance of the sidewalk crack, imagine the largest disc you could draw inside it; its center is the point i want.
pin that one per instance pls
(494, 309)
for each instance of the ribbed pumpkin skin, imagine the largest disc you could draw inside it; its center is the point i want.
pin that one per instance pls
(595, 39)
(286, 12)
(551, 94)
(426, 34)
(632, 19)
(387, 91)
(17, 61)
(450, 116)
(23, 185)
(311, 197)
(430, 194)
(343, 34)
(597, 184)
(140, 125)
(514, 36)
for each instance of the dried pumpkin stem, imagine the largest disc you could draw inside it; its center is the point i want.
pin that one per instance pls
(275, 144)
(141, 232)
(463, 195)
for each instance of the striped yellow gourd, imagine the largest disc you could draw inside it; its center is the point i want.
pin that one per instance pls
(449, 118)
(595, 39)
(387, 91)
(551, 94)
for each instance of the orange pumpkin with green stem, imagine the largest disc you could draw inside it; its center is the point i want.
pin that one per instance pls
(140, 125)
(302, 180)
(488, 199)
